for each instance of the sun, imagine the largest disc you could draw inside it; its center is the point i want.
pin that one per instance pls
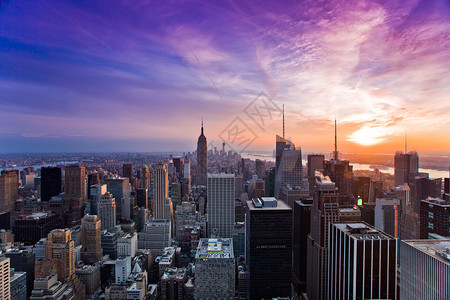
(368, 136)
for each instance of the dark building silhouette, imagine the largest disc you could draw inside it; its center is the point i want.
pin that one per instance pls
(270, 183)
(434, 217)
(404, 165)
(50, 182)
(93, 179)
(178, 164)
(142, 198)
(259, 168)
(300, 230)
(268, 248)
(315, 163)
(128, 171)
(9, 189)
(23, 261)
(202, 159)
(30, 229)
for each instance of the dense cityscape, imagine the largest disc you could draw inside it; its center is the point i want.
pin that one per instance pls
(210, 224)
(224, 149)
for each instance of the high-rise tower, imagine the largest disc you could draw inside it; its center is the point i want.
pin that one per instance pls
(220, 205)
(107, 211)
(50, 182)
(202, 159)
(9, 189)
(162, 208)
(91, 239)
(405, 164)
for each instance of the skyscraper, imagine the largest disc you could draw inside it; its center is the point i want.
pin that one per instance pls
(5, 292)
(50, 182)
(214, 269)
(162, 208)
(325, 210)
(9, 189)
(107, 211)
(145, 178)
(434, 217)
(289, 166)
(425, 269)
(268, 248)
(202, 159)
(91, 239)
(405, 164)
(315, 163)
(220, 206)
(128, 171)
(300, 231)
(362, 263)
(119, 188)
(387, 216)
(75, 186)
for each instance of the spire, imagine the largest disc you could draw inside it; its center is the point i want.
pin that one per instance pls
(202, 126)
(335, 153)
(406, 144)
(283, 121)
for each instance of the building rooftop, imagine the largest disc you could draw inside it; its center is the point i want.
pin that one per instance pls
(220, 175)
(362, 231)
(438, 249)
(437, 201)
(267, 203)
(215, 248)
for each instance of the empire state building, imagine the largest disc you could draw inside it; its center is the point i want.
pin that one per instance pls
(202, 159)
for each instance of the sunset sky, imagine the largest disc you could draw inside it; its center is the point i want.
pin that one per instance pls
(136, 75)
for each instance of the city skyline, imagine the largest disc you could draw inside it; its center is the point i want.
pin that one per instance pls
(117, 76)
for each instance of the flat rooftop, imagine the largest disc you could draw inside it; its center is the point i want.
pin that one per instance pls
(220, 175)
(280, 205)
(438, 249)
(362, 231)
(215, 248)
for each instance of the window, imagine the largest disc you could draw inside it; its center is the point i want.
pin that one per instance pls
(430, 225)
(430, 215)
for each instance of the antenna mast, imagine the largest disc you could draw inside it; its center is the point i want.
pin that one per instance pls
(406, 144)
(335, 153)
(283, 121)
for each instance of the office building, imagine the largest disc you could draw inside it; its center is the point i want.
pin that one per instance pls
(109, 243)
(145, 178)
(220, 206)
(268, 248)
(18, 286)
(5, 292)
(387, 215)
(362, 262)
(50, 182)
(127, 170)
(30, 229)
(315, 163)
(96, 193)
(119, 188)
(156, 236)
(142, 197)
(300, 231)
(260, 168)
(214, 269)
(50, 288)
(325, 210)
(289, 166)
(107, 211)
(434, 217)
(9, 190)
(162, 208)
(290, 194)
(23, 261)
(75, 186)
(404, 165)
(425, 269)
(127, 244)
(202, 159)
(122, 268)
(89, 275)
(173, 283)
(91, 239)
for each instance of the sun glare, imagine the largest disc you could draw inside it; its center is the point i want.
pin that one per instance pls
(368, 136)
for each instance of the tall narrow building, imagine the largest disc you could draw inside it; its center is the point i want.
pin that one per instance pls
(220, 206)
(75, 186)
(128, 171)
(50, 182)
(325, 210)
(202, 159)
(289, 166)
(362, 263)
(9, 189)
(91, 239)
(107, 211)
(268, 225)
(405, 164)
(5, 292)
(162, 208)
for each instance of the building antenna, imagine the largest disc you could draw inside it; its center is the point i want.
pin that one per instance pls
(283, 121)
(336, 155)
(406, 143)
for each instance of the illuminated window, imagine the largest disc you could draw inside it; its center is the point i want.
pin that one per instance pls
(430, 215)
(430, 225)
